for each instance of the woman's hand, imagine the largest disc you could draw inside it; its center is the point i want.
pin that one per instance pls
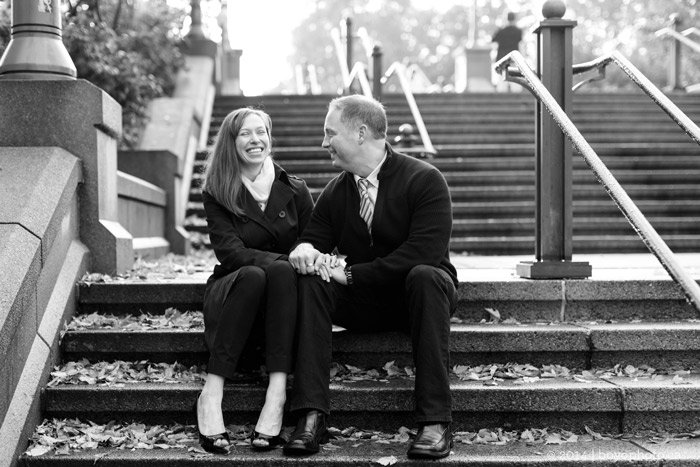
(326, 264)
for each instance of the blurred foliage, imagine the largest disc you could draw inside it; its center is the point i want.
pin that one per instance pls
(128, 48)
(428, 38)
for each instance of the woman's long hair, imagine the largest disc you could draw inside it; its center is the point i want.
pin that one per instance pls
(222, 177)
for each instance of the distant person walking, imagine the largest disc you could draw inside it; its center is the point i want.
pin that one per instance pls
(507, 40)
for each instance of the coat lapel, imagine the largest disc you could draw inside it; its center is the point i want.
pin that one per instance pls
(280, 194)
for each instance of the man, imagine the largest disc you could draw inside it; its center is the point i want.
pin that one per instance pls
(507, 40)
(390, 216)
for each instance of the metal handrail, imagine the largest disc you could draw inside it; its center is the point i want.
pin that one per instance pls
(302, 71)
(527, 78)
(688, 126)
(399, 70)
(680, 36)
(689, 31)
(342, 61)
(359, 71)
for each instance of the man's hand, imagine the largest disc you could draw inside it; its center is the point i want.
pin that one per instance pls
(304, 258)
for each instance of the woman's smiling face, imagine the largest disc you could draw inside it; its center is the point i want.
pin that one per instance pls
(253, 142)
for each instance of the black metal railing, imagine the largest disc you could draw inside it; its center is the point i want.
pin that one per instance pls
(527, 78)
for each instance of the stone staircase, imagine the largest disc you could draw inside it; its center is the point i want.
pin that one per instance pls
(485, 146)
(607, 368)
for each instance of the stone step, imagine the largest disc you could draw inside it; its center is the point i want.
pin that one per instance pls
(501, 149)
(521, 299)
(472, 176)
(602, 208)
(582, 194)
(524, 244)
(612, 405)
(352, 452)
(521, 137)
(487, 202)
(499, 227)
(582, 244)
(461, 103)
(581, 346)
(492, 163)
(665, 226)
(495, 125)
(308, 120)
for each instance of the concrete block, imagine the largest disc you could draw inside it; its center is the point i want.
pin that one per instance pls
(520, 299)
(170, 126)
(84, 120)
(67, 232)
(626, 300)
(194, 83)
(518, 338)
(20, 257)
(133, 297)
(24, 412)
(645, 336)
(129, 186)
(63, 300)
(41, 182)
(661, 394)
(162, 168)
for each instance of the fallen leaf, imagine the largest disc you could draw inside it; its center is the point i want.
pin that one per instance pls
(388, 460)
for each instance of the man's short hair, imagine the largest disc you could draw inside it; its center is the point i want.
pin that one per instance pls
(511, 16)
(357, 110)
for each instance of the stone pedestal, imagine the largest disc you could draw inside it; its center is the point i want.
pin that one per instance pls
(478, 63)
(85, 121)
(473, 69)
(231, 73)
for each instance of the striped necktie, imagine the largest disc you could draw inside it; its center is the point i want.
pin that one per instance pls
(366, 207)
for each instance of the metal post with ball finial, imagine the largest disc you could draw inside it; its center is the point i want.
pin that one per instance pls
(553, 170)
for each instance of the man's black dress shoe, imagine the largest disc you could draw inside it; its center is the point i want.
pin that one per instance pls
(311, 431)
(432, 442)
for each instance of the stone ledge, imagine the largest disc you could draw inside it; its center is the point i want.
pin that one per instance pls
(40, 182)
(24, 408)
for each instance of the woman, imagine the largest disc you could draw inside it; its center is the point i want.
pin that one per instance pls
(255, 212)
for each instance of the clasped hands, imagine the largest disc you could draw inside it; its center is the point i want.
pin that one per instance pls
(307, 260)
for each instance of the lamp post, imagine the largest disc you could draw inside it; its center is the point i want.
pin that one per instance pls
(36, 50)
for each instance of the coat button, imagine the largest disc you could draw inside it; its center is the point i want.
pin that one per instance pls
(244, 219)
(283, 214)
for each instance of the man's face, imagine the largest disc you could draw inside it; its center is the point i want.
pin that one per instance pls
(341, 142)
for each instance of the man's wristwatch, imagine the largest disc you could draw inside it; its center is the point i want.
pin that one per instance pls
(348, 274)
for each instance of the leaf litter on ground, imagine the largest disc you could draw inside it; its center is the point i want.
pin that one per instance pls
(168, 267)
(120, 372)
(170, 319)
(64, 436)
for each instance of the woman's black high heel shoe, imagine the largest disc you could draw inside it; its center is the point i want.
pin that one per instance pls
(263, 442)
(208, 443)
